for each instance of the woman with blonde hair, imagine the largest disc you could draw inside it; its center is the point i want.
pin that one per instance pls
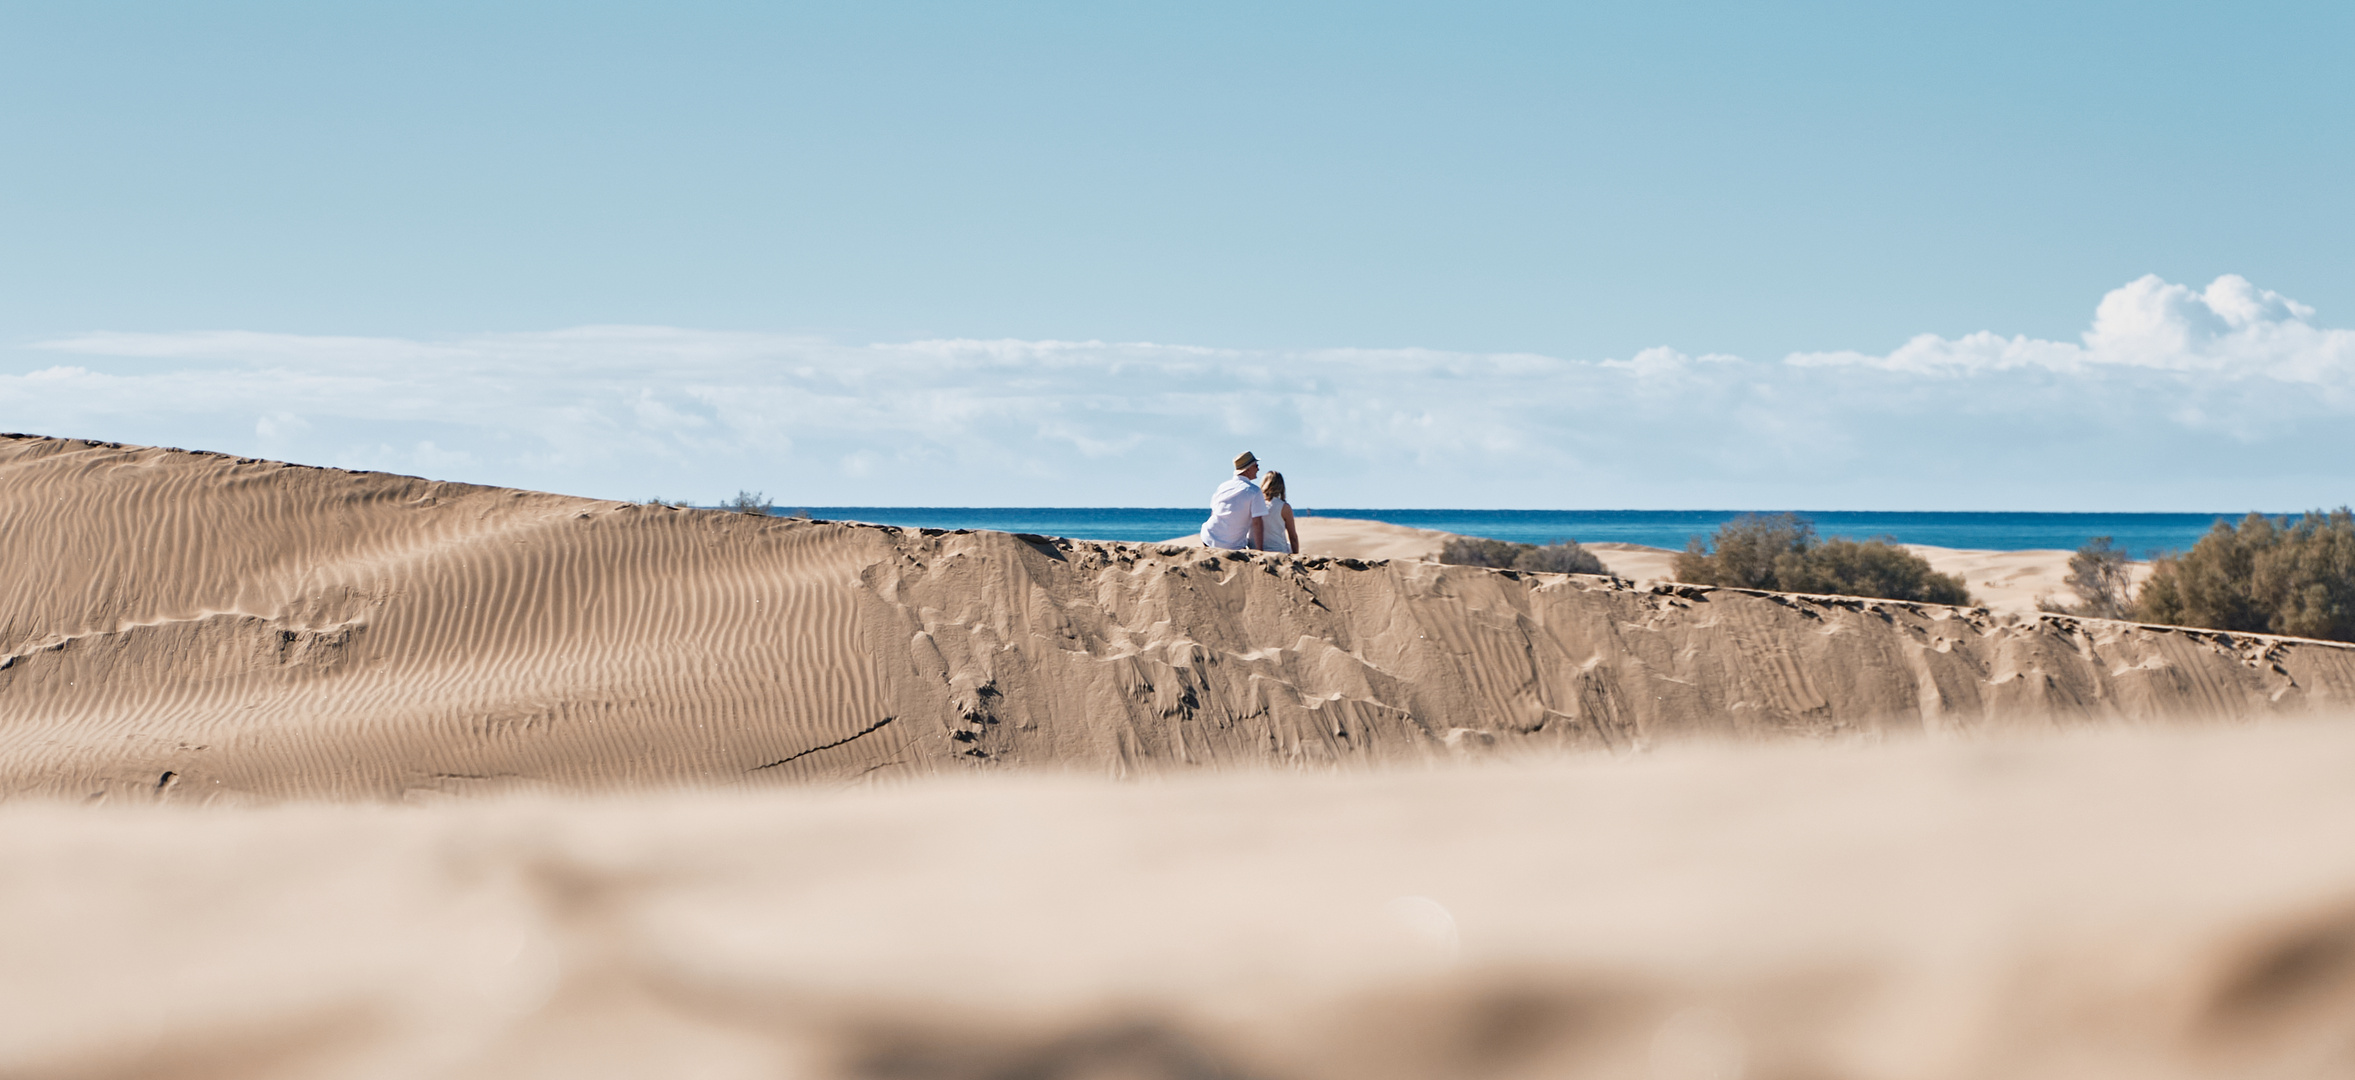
(1286, 540)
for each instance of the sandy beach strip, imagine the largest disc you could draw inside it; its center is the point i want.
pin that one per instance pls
(2011, 581)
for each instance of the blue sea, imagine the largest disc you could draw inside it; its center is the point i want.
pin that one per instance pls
(2139, 534)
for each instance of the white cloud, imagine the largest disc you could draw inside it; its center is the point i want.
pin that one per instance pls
(2174, 398)
(2231, 327)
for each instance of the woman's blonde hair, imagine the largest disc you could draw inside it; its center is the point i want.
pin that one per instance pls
(1272, 485)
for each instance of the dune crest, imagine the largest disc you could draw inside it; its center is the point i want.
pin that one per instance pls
(186, 625)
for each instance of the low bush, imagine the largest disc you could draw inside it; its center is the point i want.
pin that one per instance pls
(1745, 552)
(1780, 552)
(2100, 576)
(1562, 557)
(1479, 551)
(1872, 568)
(2265, 575)
(749, 502)
(1566, 557)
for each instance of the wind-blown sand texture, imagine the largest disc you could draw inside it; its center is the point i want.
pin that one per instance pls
(191, 625)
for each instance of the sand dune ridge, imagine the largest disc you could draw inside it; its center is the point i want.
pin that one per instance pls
(2126, 900)
(204, 625)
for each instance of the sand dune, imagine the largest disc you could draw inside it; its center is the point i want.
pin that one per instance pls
(2116, 856)
(194, 626)
(237, 624)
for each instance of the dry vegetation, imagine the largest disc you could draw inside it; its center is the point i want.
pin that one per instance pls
(2100, 576)
(1780, 552)
(749, 502)
(2269, 575)
(1563, 557)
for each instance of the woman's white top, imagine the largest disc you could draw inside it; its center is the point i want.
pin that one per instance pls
(1272, 535)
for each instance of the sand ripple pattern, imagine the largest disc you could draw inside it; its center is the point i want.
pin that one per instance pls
(193, 626)
(249, 626)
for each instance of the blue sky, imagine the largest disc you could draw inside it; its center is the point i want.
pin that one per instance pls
(1079, 254)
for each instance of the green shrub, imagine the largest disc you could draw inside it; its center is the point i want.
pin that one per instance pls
(1871, 568)
(1565, 557)
(1780, 552)
(748, 502)
(2266, 575)
(1479, 551)
(1562, 557)
(1747, 551)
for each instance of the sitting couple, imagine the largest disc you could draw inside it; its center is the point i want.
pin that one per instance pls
(1248, 515)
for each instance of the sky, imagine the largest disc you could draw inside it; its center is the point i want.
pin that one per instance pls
(1988, 256)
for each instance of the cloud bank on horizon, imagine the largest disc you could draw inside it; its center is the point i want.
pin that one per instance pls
(2225, 398)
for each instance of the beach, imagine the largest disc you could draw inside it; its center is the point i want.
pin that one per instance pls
(2008, 581)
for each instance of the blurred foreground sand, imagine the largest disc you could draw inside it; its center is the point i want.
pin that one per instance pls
(2143, 903)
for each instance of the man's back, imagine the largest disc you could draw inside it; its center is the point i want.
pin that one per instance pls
(1232, 508)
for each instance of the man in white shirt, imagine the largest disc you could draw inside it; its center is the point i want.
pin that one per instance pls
(1238, 512)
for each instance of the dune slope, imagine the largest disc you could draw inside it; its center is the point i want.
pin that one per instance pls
(191, 625)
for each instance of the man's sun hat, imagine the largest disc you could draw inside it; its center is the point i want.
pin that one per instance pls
(1244, 461)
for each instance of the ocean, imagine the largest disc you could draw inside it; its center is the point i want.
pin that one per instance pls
(2140, 534)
